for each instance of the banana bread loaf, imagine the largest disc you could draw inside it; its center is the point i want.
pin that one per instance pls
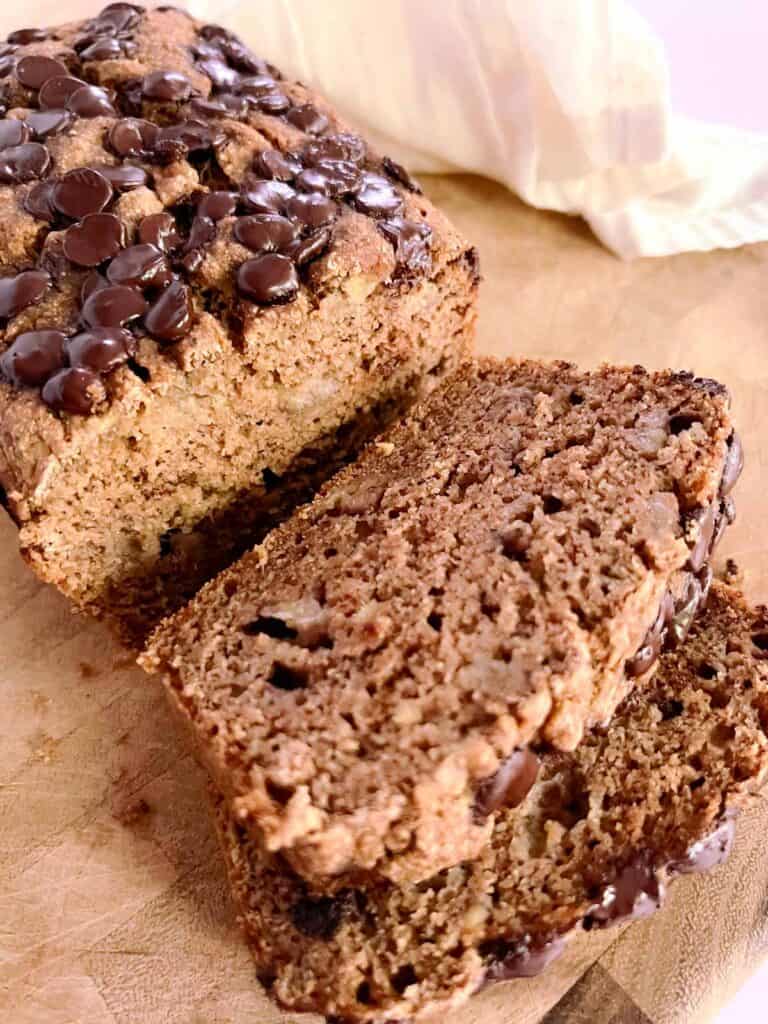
(595, 842)
(499, 569)
(211, 291)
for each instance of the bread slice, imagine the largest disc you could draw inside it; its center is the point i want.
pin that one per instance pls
(599, 836)
(499, 570)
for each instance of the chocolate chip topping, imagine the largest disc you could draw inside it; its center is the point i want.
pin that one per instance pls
(265, 232)
(43, 123)
(170, 316)
(12, 133)
(267, 196)
(412, 241)
(140, 266)
(167, 86)
(377, 197)
(508, 786)
(90, 101)
(637, 892)
(342, 146)
(276, 165)
(304, 250)
(80, 192)
(33, 357)
(399, 173)
(133, 137)
(124, 177)
(101, 349)
(75, 391)
(22, 163)
(57, 90)
(308, 119)
(113, 306)
(21, 291)
(734, 464)
(159, 229)
(39, 201)
(217, 205)
(34, 72)
(268, 279)
(98, 237)
(23, 36)
(312, 209)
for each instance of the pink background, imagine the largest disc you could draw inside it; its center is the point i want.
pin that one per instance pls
(718, 52)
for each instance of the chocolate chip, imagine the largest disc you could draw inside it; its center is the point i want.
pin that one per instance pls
(217, 205)
(80, 192)
(98, 237)
(523, 961)
(90, 101)
(12, 133)
(177, 140)
(124, 177)
(93, 282)
(120, 16)
(653, 644)
(166, 86)
(709, 852)
(274, 103)
(277, 166)
(331, 177)
(23, 36)
(39, 201)
(412, 241)
(75, 391)
(304, 250)
(258, 86)
(170, 316)
(342, 146)
(101, 349)
(140, 266)
(685, 612)
(43, 123)
(201, 233)
(21, 291)
(102, 48)
(57, 90)
(637, 892)
(224, 105)
(321, 917)
(508, 786)
(159, 229)
(224, 78)
(268, 279)
(399, 173)
(113, 306)
(308, 119)
(311, 209)
(33, 357)
(240, 56)
(705, 519)
(265, 232)
(34, 72)
(734, 464)
(22, 163)
(267, 196)
(377, 197)
(133, 137)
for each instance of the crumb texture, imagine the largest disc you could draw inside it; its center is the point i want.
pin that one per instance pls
(476, 582)
(599, 836)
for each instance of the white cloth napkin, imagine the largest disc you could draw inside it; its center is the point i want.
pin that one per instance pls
(565, 101)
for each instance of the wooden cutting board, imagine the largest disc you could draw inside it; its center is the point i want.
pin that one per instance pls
(113, 905)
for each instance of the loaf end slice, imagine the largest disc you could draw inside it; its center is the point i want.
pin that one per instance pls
(598, 839)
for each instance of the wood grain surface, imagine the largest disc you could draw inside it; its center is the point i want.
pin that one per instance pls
(113, 905)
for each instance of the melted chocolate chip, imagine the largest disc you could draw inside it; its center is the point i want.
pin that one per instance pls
(22, 163)
(43, 123)
(75, 391)
(170, 316)
(124, 177)
(267, 196)
(33, 357)
(709, 852)
(140, 266)
(399, 173)
(12, 133)
(304, 250)
(308, 119)
(311, 209)
(80, 192)
(412, 241)
(98, 237)
(508, 786)
(705, 519)
(277, 166)
(166, 86)
(92, 283)
(637, 892)
(112, 306)
(321, 917)
(734, 464)
(217, 205)
(23, 36)
(653, 644)
(377, 197)
(331, 177)
(684, 614)
(21, 291)
(240, 57)
(101, 349)
(120, 16)
(90, 101)
(265, 232)
(177, 140)
(335, 147)
(159, 229)
(57, 90)
(102, 48)
(133, 137)
(274, 103)
(39, 201)
(268, 279)
(34, 72)
(223, 77)
(523, 961)
(258, 86)
(223, 105)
